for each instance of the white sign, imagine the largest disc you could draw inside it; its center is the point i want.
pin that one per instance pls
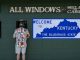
(46, 9)
(56, 28)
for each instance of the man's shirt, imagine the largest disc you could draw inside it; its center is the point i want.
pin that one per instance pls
(21, 36)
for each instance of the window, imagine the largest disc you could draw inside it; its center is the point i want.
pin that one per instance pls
(23, 22)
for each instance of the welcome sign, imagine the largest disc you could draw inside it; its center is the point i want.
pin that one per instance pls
(56, 28)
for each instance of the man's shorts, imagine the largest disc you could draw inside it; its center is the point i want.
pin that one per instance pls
(19, 50)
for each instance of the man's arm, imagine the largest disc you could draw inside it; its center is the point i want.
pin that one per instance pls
(14, 34)
(28, 34)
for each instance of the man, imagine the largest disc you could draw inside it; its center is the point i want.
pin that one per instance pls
(21, 34)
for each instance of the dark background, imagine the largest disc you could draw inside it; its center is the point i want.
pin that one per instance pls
(24, 22)
(38, 49)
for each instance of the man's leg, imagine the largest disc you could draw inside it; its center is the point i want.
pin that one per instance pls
(18, 56)
(17, 50)
(23, 53)
(23, 56)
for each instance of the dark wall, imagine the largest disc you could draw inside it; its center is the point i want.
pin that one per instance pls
(45, 49)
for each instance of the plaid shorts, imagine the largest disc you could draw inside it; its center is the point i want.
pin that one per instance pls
(19, 50)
